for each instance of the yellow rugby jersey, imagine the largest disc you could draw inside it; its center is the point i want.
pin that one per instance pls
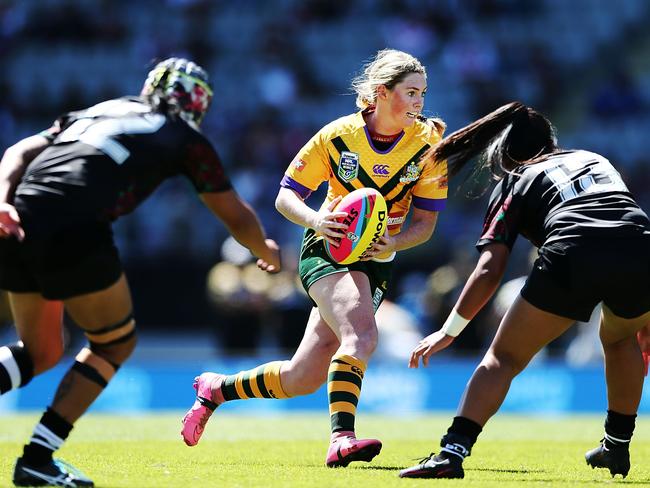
(342, 154)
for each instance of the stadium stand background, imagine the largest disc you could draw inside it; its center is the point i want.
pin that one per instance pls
(281, 70)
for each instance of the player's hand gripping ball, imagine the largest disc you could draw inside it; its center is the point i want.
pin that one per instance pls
(366, 220)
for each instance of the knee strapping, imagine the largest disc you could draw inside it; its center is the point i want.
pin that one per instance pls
(94, 367)
(93, 363)
(113, 334)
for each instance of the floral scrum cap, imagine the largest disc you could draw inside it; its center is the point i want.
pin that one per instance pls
(182, 84)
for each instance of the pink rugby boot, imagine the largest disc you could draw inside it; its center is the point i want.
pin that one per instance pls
(345, 448)
(208, 398)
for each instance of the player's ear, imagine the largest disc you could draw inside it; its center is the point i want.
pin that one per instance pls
(382, 92)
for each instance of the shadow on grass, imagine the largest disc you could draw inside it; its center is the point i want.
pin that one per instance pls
(529, 481)
(495, 470)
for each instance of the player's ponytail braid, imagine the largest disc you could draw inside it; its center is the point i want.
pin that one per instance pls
(460, 147)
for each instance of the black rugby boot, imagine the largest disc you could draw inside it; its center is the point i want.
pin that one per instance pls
(616, 459)
(54, 473)
(436, 466)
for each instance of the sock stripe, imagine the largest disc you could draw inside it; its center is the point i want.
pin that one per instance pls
(48, 436)
(336, 396)
(54, 440)
(45, 444)
(252, 382)
(344, 376)
(259, 381)
(344, 386)
(346, 368)
(346, 407)
(272, 379)
(616, 439)
(342, 421)
(246, 384)
(451, 451)
(239, 377)
(10, 365)
(228, 388)
(351, 360)
(344, 380)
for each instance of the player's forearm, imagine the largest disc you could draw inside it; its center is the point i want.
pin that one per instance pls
(12, 168)
(248, 231)
(15, 161)
(480, 286)
(417, 233)
(292, 207)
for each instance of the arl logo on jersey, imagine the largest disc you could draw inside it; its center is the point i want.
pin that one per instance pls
(380, 170)
(348, 166)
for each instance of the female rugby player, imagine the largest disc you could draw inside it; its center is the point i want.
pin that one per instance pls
(594, 246)
(381, 147)
(59, 192)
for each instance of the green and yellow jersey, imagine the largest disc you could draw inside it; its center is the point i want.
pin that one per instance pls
(342, 153)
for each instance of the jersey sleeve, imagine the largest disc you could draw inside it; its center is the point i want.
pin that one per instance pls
(502, 220)
(310, 168)
(430, 191)
(203, 167)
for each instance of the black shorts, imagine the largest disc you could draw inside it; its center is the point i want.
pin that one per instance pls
(570, 279)
(61, 265)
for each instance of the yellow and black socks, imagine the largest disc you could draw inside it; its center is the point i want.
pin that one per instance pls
(48, 436)
(344, 380)
(16, 367)
(261, 382)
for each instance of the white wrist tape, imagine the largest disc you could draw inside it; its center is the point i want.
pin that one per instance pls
(454, 324)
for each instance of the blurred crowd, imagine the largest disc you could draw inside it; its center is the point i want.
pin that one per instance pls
(281, 70)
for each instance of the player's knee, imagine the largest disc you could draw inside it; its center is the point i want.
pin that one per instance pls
(116, 353)
(364, 339)
(114, 343)
(303, 380)
(505, 361)
(99, 363)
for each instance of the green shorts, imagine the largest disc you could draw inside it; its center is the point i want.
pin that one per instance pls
(315, 264)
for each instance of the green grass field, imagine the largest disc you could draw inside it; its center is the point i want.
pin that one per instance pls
(289, 451)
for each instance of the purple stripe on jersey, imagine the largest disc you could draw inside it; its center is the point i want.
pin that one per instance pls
(288, 182)
(372, 145)
(432, 204)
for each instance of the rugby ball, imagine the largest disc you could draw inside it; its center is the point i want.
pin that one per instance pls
(367, 219)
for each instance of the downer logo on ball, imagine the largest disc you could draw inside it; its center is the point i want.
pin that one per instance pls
(381, 216)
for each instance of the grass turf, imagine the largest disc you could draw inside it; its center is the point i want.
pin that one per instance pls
(289, 451)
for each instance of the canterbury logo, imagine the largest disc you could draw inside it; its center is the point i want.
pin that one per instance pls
(380, 170)
(357, 371)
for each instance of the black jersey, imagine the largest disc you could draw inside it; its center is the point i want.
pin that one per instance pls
(569, 196)
(105, 160)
